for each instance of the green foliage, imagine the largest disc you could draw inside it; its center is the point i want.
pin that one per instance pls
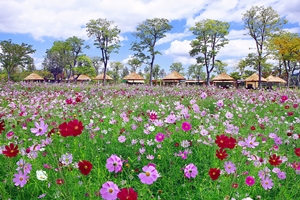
(106, 36)
(84, 66)
(177, 66)
(261, 23)
(210, 38)
(116, 68)
(148, 33)
(14, 55)
(135, 63)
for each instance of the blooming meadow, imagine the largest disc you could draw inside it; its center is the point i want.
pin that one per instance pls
(64, 141)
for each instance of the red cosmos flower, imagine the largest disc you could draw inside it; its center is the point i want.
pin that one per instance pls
(297, 151)
(286, 106)
(275, 160)
(2, 126)
(64, 131)
(60, 181)
(127, 194)
(153, 115)
(221, 140)
(221, 154)
(11, 150)
(230, 143)
(75, 127)
(290, 113)
(214, 173)
(78, 99)
(295, 105)
(85, 167)
(252, 128)
(186, 126)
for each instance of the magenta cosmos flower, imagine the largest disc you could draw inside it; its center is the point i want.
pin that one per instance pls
(40, 128)
(186, 126)
(149, 176)
(20, 179)
(250, 180)
(159, 137)
(190, 171)
(114, 164)
(109, 191)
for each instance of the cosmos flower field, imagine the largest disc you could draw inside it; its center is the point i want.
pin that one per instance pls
(84, 141)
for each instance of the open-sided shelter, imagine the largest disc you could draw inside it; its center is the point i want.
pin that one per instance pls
(223, 80)
(101, 76)
(173, 78)
(134, 78)
(33, 77)
(252, 81)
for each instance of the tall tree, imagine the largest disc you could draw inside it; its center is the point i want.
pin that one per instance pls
(13, 55)
(106, 39)
(148, 33)
(210, 38)
(52, 64)
(84, 66)
(124, 72)
(76, 46)
(135, 63)
(241, 66)
(286, 47)
(177, 66)
(116, 68)
(261, 23)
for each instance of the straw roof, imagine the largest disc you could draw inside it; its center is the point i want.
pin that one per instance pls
(223, 77)
(133, 76)
(100, 77)
(272, 79)
(174, 76)
(33, 77)
(254, 78)
(83, 77)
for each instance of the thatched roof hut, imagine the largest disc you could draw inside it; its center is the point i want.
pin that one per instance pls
(223, 78)
(134, 78)
(252, 81)
(33, 77)
(173, 77)
(100, 77)
(273, 79)
(83, 77)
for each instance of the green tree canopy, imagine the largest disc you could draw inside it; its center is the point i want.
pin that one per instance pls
(261, 23)
(14, 55)
(177, 66)
(148, 33)
(106, 37)
(210, 38)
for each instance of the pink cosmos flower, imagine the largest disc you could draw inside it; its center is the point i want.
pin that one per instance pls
(122, 138)
(150, 175)
(267, 183)
(20, 179)
(114, 163)
(203, 95)
(109, 191)
(159, 137)
(186, 126)
(171, 119)
(220, 103)
(250, 142)
(229, 167)
(283, 99)
(40, 129)
(281, 175)
(250, 180)
(190, 171)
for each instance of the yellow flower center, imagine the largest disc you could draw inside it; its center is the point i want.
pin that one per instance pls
(147, 174)
(110, 190)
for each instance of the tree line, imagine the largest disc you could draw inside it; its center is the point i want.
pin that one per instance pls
(65, 59)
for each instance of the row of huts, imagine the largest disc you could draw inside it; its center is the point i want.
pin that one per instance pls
(175, 78)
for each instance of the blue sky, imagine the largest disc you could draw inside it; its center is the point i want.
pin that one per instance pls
(41, 22)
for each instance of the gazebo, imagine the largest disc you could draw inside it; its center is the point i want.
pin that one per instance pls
(252, 81)
(100, 77)
(173, 78)
(81, 78)
(134, 78)
(223, 80)
(33, 77)
(273, 79)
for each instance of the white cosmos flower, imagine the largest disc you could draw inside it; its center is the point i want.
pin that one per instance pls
(41, 175)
